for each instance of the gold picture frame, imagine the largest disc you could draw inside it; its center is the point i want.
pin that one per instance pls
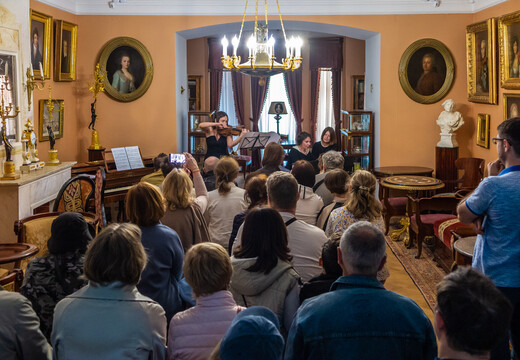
(57, 119)
(483, 130)
(511, 106)
(508, 38)
(426, 87)
(40, 45)
(138, 63)
(481, 62)
(65, 50)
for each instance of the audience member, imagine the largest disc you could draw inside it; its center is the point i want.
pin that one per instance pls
(327, 143)
(224, 202)
(331, 272)
(20, 335)
(472, 315)
(109, 318)
(302, 151)
(272, 161)
(359, 318)
(253, 335)
(183, 214)
(309, 204)
(255, 195)
(494, 208)
(361, 205)
(210, 179)
(331, 160)
(50, 278)
(156, 178)
(336, 182)
(194, 333)
(161, 276)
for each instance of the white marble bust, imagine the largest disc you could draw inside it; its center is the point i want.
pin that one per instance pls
(449, 121)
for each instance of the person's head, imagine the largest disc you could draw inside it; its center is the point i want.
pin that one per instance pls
(332, 160)
(254, 334)
(177, 188)
(362, 202)
(207, 268)
(509, 131)
(336, 181)
(221, 117)
(125, 61)
(166, 167)
(328, 136)
(35, 36)
(69, 232)
(144, 204)
(304, 173)
(329, 258)
(226, 171)
(256, 191)
(158, 160)
(483, 49)
(265, 237)
(471, 313)
(282, 191)
(273, 155)
(210, 163)
(116, 254)
(428, 62)
(64, 48)
(448, 105)
(362, 249)
(514, 42)
(303, 140)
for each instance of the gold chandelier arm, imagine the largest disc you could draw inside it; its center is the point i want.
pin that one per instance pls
(281, 21)
(243, 19)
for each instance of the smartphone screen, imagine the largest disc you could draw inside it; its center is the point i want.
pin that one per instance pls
(177, 158)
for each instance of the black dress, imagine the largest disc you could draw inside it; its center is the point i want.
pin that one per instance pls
(295, 155)
(216, 147)
(318, 149)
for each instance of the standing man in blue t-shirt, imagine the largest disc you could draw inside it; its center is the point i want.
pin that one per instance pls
(494, 209)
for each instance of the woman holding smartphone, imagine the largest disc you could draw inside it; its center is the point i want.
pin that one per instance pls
(217, 145)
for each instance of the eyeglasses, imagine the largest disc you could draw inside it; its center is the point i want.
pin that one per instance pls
(495, 140)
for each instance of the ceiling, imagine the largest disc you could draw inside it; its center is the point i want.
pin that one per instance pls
(288, 7)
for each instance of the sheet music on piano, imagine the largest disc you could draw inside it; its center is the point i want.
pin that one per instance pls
(127, 158)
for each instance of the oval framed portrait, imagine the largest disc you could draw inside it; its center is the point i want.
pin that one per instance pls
(128, 68)
(426, 71)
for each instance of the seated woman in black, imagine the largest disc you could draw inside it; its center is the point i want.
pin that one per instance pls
(216, 144)
(327, 143)
(301, 151)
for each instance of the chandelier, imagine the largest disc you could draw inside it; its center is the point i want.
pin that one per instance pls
(261, 61)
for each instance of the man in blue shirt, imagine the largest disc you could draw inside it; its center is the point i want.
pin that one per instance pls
(359, 318)
(494, 209)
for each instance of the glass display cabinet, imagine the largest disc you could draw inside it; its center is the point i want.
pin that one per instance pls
(357, 140)
(196, 137)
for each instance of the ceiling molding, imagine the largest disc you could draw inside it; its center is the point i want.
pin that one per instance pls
(288, 7)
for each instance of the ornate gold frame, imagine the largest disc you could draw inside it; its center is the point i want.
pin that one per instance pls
(141, 49)
(504, 22)
(506, 96)
(46, 55)
(73, 29)
(483, 129)
(472, 54)
(403, 71)
(58, 105)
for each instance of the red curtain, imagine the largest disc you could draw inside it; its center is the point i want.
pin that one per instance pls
(293, 84)
(238, 96)
(258, 94)
(215, 72)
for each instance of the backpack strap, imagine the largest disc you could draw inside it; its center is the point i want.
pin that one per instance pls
(290, 221)
(317, 185)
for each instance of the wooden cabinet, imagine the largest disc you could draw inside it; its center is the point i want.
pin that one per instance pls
(359, 92)
(196, 137)
(357, 140)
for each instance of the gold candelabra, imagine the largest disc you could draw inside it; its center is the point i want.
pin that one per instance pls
(96, 87)
(53, 153)
(31, 84)
(9, 169)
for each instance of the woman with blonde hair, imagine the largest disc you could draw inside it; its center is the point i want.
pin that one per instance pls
(361, 205)
(183, 213)
(226, 201)
(160, 280)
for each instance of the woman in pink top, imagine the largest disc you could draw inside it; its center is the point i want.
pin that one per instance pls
(194, 333)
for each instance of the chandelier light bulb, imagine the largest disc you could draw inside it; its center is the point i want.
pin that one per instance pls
(225, 44)
(251, 44)
(298, 44)
(235, 42)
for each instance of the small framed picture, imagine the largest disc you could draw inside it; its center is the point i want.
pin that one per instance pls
(41, 37)
(483, 130)
(56, 122)
(65, 51)
(511, 106)
(509, 36)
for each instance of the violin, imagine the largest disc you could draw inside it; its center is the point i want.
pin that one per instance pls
(230, 131)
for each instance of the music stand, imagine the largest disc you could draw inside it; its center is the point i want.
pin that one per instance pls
(258, 140)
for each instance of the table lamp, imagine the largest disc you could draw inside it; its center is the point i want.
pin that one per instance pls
(277, 108)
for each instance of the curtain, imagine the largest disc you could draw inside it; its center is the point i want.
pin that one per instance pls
(325, 109)
(293, 84)
(227, 98)
(238, 96)
(315, 83)
(257, 102)
(215, 72)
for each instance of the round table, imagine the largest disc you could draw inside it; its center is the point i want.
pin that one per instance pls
(413, 185)
(12, 252)
(464, 250)
(385, 171)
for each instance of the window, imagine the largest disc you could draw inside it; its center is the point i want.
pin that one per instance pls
(227, 103)
(325, 111)
(278, 92)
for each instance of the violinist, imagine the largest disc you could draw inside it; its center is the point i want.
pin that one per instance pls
(218, 135)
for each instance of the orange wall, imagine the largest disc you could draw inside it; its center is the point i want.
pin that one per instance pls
(409, 132)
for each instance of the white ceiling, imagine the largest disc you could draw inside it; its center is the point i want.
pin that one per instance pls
(288, 7)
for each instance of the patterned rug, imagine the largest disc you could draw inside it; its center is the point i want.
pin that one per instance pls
(425, 272)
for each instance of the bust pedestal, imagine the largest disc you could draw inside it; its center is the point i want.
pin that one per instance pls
(445, 169)
(448, 141)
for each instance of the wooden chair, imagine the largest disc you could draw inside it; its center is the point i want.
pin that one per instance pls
(473, 169)
(14, 253)
(392, 205)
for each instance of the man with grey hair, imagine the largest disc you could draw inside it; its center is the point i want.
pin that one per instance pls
(359, 318)
(331, 160)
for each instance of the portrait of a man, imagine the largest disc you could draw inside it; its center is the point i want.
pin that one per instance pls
(430, 81)
(65, 51)
(37, 36)
(482, 65)
(426, 71)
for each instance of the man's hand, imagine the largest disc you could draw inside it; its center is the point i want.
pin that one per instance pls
(477, 225)
(495, 167)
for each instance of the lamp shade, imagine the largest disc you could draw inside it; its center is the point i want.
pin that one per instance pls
(277, 107)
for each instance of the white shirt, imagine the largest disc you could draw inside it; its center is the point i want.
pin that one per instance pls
(221, 211)
(305, 244)
(308, 206)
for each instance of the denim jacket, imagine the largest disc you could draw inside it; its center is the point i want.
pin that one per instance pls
(360, 319)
